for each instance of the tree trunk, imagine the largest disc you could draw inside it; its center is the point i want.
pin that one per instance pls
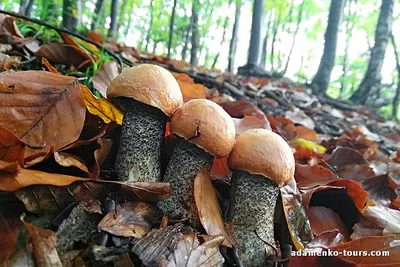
(186, 39)
(112, 31)
(256, 30)
(195, 33)
(372, 78)
(234, 38)
(150, 24)
(25, 7)
(265, 42)
(122, 13)
(69, 20)
(171, 29)
(80, 12)
(223, 38)
(98, 10)
(396, 98)
(299, 18)
(321, 79)
(274, 34)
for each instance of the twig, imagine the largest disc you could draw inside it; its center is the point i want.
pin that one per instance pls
(37, 21)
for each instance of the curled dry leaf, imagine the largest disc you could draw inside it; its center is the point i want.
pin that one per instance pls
(8, 62)
(11, 147)
(343, 156)
(306, 133)
(208, 208)
(8, 26)
(326, 239)
(379, 189)
(311, 176)
(386, 218)
(192, 90)
(100, 155)
(101, 107)
(247, 123)
(51, 117)
(44, 246)
(68, 160)
(130, 219)
(356, 172)
(94, 36)
(102, 78)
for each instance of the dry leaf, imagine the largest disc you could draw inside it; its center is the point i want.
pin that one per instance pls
(326, 239)
(101, 107)
(311, 176)
(102, 79)
(44, 246)
(68, 160)
(247, 123)
(100, 155)
(11, 147)
(343, 156)
(386, 218)
(94, 36)
(46, 110)
(192, 91)
(9, 227)
(306, 133)
(8, 62)
(208, 207)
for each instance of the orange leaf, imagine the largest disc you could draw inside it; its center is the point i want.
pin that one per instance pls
(45, 110)
(95, 37)
(247, 123)
(306, 133)
(11, 147)
(48, 65)
(220, 168)
(208, 208)
(310, 176)
(190, 91)
(354, 190)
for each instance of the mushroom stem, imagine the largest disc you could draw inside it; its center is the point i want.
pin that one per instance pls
(251, 217)
(142, 136)
(186, 161)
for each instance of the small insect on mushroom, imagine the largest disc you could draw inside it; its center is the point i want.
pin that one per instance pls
(205, 131)
(150, 94)
(262, 162)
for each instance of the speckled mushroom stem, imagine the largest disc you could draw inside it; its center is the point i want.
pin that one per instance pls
(251, 213)
(186, 161)
(142, 136)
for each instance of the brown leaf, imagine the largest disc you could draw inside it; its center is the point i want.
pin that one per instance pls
(8, 62)
(11, 147)
(323, 219)
(354, 190)
(386, 218)
(311, 176)
(241, 108)
(44, 246)
(102, 78)
(356, 172)
(100, 155)
(94, 36)
(208, 207)
(343, 156)
(8, 26)
(130, 219)
(306, 133)
(194, 250)
(379, 189)
(63, 54)
(13, 177)
(326, 239)
(68, 160)
(51, 117)
(247, 123)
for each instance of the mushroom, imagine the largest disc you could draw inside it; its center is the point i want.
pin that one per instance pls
(262, 162)
(150, 94)
(205, 131)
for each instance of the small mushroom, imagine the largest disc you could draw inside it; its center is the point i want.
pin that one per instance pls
(206, 131)
(262, 162)
(150, 94)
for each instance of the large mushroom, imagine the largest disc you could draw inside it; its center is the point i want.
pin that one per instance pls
(262, 162)
(150, 94)
(205, 131)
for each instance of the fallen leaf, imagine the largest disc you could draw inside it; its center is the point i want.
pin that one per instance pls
(356, 172)
(94, 36)
(300, 142)
(101, 107)
(84, 48)
(343, 156)
(326, 239)
(299, 117)
(379, 189)
(8, 62)
(51, 117)
(208, 208)
(311, 176)
(323, 219)
(11, 147)
(100, 156)
(192, 91)
(49, 67)
(68, 160)
(8, 25)
(130, 219)
(44, 246)
(247, 123)
(102, 79)
(306, 133)
(354, 190)
(386, 218)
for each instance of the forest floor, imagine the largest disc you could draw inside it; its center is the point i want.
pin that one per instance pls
(60, 204)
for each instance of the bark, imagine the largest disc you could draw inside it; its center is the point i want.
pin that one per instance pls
(112, 31)
(186, 40)
(321, 79)
(195, 33)
(256, 30)
(265, 42)
(69, 20)
(98, 10)
(25, 7)
(372, 78)
(396, 98)
(150, 24)
(274, 35)
(223, 38)
(296, 31)
(171, 29)
(234, 38)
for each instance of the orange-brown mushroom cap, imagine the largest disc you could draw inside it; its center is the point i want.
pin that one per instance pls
(260, 151)
(149, 84)
(206, 124)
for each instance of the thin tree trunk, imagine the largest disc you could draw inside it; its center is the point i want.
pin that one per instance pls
(122, 13)
(112, 31)
(223, 38)
(80, 12)
(155, 46)
(150, 24)
(265, 42)
(171, 29)
(372, 78)
(299, 18)
(256, 30)
(25, 7)
(186, 39)
(321, 79)
(274, 34)
(98, 10)
(69, 20)
(234, 38)
(396, 98)
(195, 33)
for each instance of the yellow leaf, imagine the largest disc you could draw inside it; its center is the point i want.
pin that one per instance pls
(101, 107)
(308, 144)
